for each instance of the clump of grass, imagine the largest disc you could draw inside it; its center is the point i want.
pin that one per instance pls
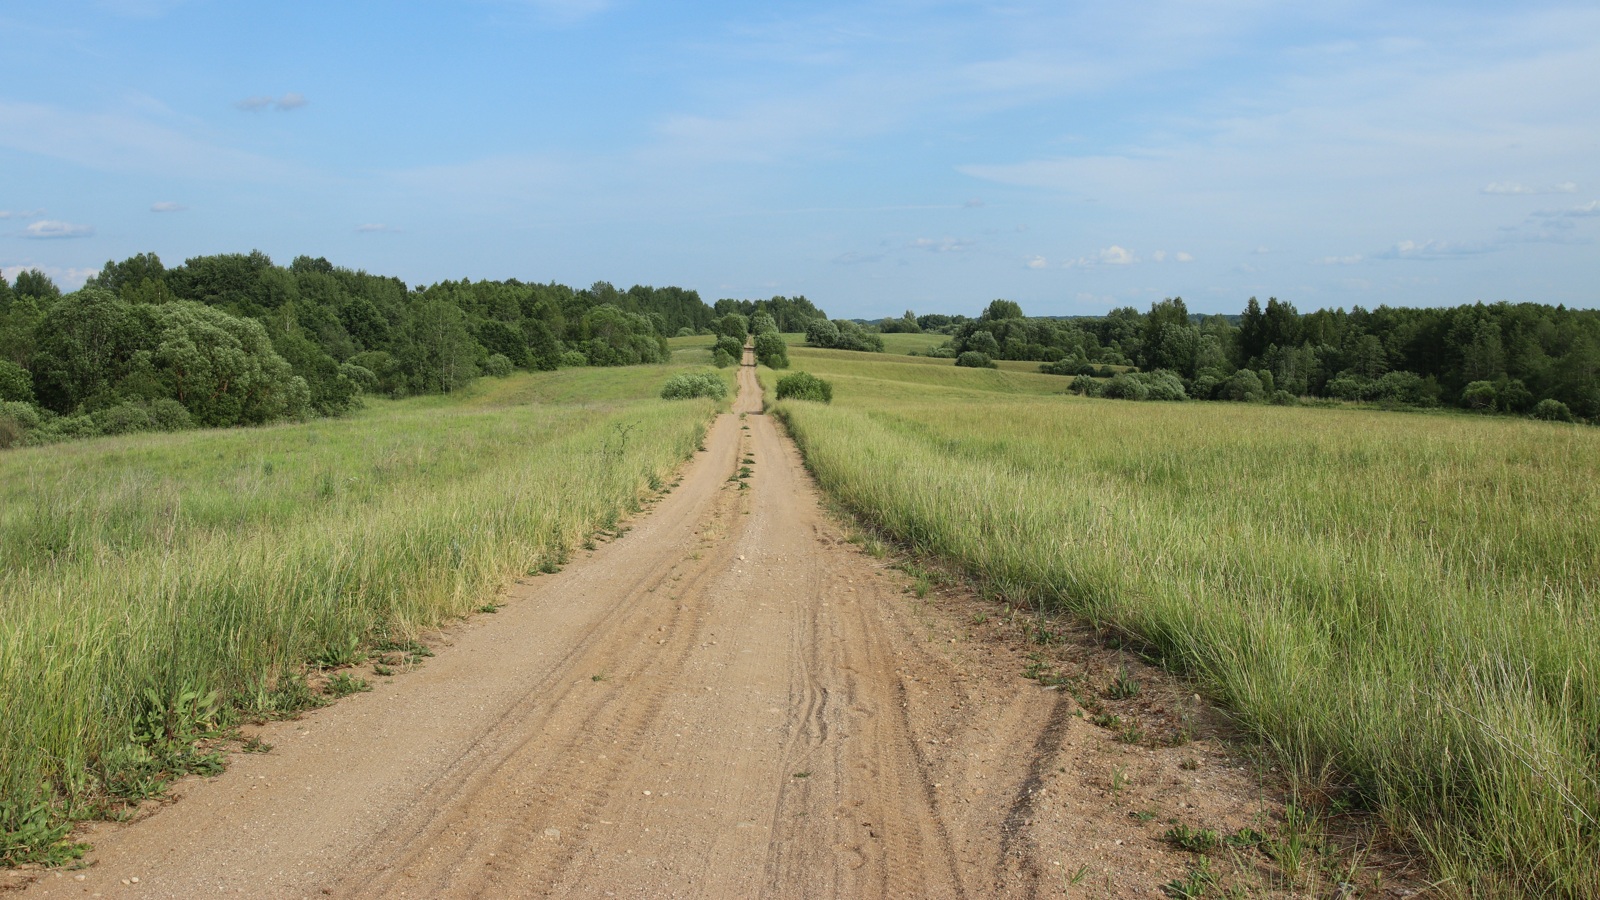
(1194, 840)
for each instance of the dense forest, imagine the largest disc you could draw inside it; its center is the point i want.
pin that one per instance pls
(1522, 358)
(234, 339)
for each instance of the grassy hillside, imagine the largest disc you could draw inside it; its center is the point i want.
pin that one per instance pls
(154, 587)
(1401, 606)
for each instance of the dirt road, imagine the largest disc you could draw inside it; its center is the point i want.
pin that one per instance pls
(730, 700)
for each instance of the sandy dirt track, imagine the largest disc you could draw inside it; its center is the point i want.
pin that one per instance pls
(727, 701)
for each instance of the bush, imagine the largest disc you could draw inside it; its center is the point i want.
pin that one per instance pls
(70, 427)
(972, 359)
(124, 418)
(688, 385)
(1085, 386)
(734, 347)
(169, 415)
(822, 333)
(804, 386)
(573, 359)
(497, 366)
(1067, 365)
(721, 359)
(1243, 386)
(761, 323)
(1281, 398)
(1126, 387)
(1552, 411)
(1479, 395)
(15, 383)
(16, 420)
(1205, 387)
(1163, 385)
(686, 331)
(771, 351)
(24, 414)
(943, 351)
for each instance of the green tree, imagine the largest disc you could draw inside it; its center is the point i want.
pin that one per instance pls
(36, 284)
(84, 345)
(822, 333)
(771, 351)
(436, 349)
(223, 368)
(15, 382)
(1002, 309)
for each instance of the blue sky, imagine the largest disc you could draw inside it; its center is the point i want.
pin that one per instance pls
(873, 156)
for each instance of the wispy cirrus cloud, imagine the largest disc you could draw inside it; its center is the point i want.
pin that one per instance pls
(167, 206)
(1434, 249)
(52, 229)
(1514, 187)
(376, 228)
(262, 102)
(20, 213)
(1587, 210)
(121, 142)
(942, 245)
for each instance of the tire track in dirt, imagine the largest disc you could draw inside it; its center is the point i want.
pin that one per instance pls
(728, 701)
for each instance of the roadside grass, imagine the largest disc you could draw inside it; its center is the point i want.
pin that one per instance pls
(157, 589)
(1401, 607)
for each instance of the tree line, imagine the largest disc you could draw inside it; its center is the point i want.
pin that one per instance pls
(235, 339)
(1518, 358)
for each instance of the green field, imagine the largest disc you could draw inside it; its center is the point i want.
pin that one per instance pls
(1401, 607)
(141, 575)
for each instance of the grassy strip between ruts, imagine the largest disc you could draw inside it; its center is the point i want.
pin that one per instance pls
(1401, 606)
(156, 588)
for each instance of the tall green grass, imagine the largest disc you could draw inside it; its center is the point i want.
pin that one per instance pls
(1402, 606)
(135, 571)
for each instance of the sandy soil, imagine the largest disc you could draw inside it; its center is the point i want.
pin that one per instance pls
(729, 700)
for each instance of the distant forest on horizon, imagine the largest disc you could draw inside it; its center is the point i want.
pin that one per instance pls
(237, 339)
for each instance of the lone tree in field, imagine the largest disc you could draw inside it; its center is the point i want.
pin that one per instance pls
(771, 351)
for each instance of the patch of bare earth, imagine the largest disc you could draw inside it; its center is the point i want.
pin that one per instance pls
(730, 700)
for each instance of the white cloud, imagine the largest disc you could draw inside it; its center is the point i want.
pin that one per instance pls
(1114, 255)
(291, 100)
(1184, 257)
(1512, 187)
(376, 228)
(163, 206)
(1340, 260)
(1159, 256)
(20, 213)
(46, 229)
(1433, 249)
(974, 203)
(1037, 262)
(941, 245)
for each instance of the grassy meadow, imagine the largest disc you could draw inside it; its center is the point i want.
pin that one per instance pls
(1401, 607)
(153, 587)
